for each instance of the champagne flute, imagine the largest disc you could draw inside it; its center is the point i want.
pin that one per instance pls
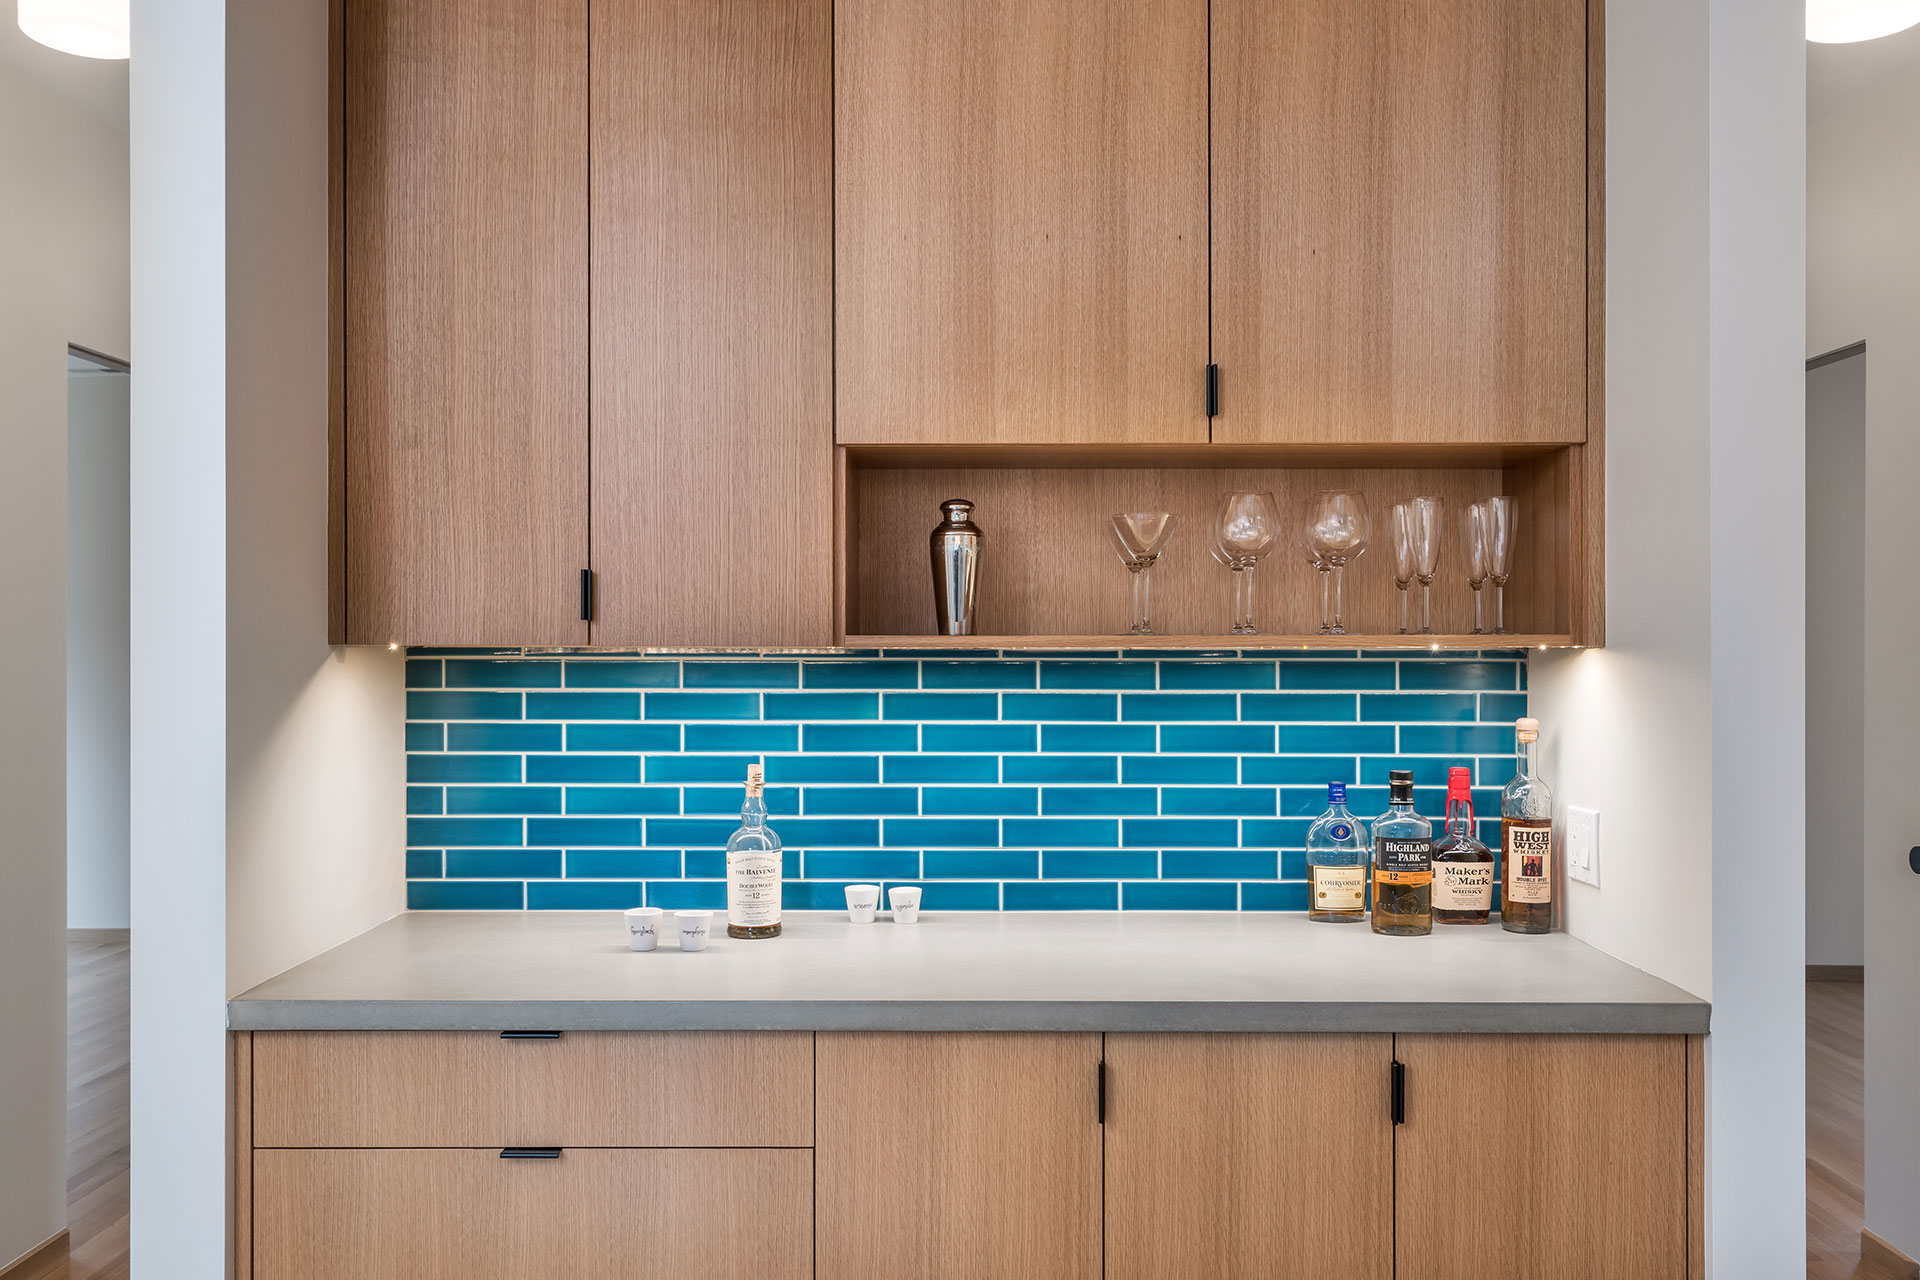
(1500, 519)
(1473, 529)
(1425, 536)
(1339, 527)
(1140, 537)
(1403, 559)
(1243, 533)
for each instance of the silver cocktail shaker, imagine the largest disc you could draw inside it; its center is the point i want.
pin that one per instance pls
(955, 543)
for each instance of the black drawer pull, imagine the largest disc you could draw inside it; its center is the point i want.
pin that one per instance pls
(530, 1153)
(529, 1035)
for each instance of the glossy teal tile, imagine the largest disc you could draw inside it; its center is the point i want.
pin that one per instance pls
(1060, 706)
(860, 864)
(1297, 706)
(1212, 739)
(706, 864)
(823, 769)
(1293, 865)
(426, 737)
(1063, 895)
(1459, 675)
(880, 674)
(1093, 864)
(703, 706)
(740, 675)
(1175, 896)
(1428, 771)
(580, 768)
(822, 706)
(1219, 864)
(610, 673)
(976, 674)
(485, 673)
(1192, 833)
(1105, 801)
(463, 768)
(1098, 675)
(424, 673)
(927, 833)
(981, 864)
(503, 800)
(623, 800)
(1046, 768)
(1061, 832)
(980, 801)
(583, 706)
(584, 895)
(1243, 802)
(1335, 739)
(1162, 707)
(1216, 675)
(1282, 833)
(687, 895)
(950, 896)
(1299, 770)
(502, 864)
(1404, 707)
(684, 832)
(1433, 739)
(1308, 673)
(742, 737)
(423, 864)
(956, 738)
(1148, 770)
(506, 737)
(450, 895)
(728, 797)
(813, 895)
(1496, 708)
(830, 801)
(861, 737)
(441, 832)
(589, 831)
(930, 768)
(940, 706)
(622, 864)
(462, 704)
(426, 800)
(803, 832)
(1281, 896)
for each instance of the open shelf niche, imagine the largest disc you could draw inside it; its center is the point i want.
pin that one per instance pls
(1051, 579)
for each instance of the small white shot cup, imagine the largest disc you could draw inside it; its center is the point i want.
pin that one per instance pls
(694, 927)
(863, 902)
(643, 928)
(905, 901)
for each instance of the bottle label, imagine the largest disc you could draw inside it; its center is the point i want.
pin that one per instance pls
(1337, 888)
(1462, 886)
(753, 888)
(1528, 856)
(1408, 862)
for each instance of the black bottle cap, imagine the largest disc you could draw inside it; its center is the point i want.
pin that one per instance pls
(1400, 786)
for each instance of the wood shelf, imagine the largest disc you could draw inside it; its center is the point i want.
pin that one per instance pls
(1446, 643)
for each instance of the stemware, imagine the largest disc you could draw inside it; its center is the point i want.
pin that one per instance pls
(1500, 521)
(1243, 533)
(1338, 526)
(1140, 537)
(1424, 514)
(1403, 563)
(1473, 541)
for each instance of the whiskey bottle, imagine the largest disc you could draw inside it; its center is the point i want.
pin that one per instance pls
(1402, 864)
(1462, 866)
(1526, 842)
(1336, 862)
(753, 867)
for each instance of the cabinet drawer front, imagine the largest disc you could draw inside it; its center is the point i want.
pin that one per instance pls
(474, 1089)
(588, 1215)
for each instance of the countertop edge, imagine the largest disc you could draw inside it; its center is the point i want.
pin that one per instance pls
(1410, 1017)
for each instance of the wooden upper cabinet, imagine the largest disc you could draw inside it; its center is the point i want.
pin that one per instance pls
(1021, 224)
(713, 322)
(463, 195)
(1400, 220)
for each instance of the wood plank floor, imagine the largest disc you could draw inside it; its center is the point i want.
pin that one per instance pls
(1836, 1134)
(97, 1014)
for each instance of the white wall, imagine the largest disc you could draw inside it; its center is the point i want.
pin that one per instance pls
(268, 773)
(63, 278)
(1836, 661)
(97, 657)
(1863, 276)
(1694, 710)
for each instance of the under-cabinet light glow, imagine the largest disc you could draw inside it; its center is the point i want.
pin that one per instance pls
(87, 28)
(1848, 21)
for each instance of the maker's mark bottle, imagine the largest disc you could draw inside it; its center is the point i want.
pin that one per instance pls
(753, 867)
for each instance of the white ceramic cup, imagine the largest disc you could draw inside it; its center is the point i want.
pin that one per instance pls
(694, 928)
(643, 928)
(905, 901)
(863, 902)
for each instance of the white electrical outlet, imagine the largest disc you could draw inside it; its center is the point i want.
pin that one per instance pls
(1583, 846)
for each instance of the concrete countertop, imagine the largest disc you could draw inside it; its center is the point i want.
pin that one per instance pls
(1012, 971)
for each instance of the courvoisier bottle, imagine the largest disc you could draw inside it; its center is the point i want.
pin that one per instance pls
(1336, 862)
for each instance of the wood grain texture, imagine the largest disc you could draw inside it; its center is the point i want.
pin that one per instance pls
(242, 1155)
(1049, 567)
(1021, 220)
(465, 162)
(1236, 1156)
(45, 1261)
(1355, 640)
(98, 1083)
(960, 1155)
(336, 322)
(1588, 492)
(1697, 1158)
(473, 1089)
(1400, 219)
(712, 323)
(1537, 1155)
(589, 1215)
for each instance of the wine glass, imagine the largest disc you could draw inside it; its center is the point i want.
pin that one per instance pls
(1403, 560)
(1338, 526)
(1473, 530)
(1500, 521)
(1425, 537)
(1140, 537)
(1243, 533)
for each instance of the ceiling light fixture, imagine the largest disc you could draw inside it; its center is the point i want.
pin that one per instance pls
(1848, 21)
(89, 28)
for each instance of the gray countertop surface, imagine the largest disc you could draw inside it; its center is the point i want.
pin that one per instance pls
(1012, 971)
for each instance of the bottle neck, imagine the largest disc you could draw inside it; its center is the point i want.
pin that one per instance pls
(754, 812)
(1523, 752)
(1460, 815)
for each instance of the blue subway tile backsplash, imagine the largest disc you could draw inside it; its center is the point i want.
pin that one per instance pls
(1005, 782)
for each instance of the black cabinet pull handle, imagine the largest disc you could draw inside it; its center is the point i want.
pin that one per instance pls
(530, 1153)
(529, 1035)
(1913, 859)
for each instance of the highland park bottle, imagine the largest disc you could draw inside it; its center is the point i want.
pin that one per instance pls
(1526, 842)
(1336, 862)
(753, 868)
(1462, 866)
(1402, 864)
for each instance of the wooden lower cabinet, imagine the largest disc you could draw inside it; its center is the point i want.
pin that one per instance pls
(1249, 1155)
(591, 1214)
(966, 1156)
